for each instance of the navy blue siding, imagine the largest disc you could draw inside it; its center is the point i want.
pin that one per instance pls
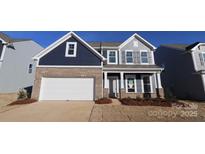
(1, 48)
(83, 57)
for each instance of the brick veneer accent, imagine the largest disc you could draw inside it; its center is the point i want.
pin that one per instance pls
(160, 92)
(123, 94)
(131, 95)
(95, 73)
(105, 92)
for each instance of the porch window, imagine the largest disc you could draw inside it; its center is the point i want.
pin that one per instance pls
(129, 57)
(131, 84)
(112, 57)
(147, 84)
(144, 57)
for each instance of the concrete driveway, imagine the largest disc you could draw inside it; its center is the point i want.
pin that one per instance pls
(50, 111)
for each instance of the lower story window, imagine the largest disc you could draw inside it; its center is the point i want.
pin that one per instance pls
(130, 83)
(30, 68)
(147, 84)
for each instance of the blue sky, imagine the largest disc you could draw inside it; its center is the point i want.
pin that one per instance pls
(45, 38)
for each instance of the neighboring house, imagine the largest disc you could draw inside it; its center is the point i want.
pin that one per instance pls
(184, 70)
(71, 69)
(17, 68)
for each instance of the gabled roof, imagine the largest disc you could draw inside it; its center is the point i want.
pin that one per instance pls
(104, 44)
(140, 38)
(61, 40)
(8, 39)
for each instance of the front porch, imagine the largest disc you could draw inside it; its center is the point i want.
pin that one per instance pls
(132, 84)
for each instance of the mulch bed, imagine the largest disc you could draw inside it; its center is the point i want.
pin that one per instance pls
(23, 101)
(103, 101)
(151, 102)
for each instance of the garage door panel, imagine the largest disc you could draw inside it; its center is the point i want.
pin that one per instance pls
(67, 89)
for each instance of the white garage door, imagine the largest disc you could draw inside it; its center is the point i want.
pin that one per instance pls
(67, 89)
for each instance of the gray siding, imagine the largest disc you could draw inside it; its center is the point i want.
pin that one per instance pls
(139, 84)
(136, 50)
(14, 70)
(57, 56)
(179, 76)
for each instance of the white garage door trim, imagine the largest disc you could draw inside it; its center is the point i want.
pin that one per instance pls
(67, 89)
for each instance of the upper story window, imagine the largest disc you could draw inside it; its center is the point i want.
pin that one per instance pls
(112, 56)
(30, 68)
(144, 57)
(129, 57)
(71, 49)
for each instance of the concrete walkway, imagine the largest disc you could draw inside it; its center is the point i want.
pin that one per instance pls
(50, 111)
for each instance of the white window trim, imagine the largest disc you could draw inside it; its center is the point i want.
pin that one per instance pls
(203, 52)
(67, 49)
(135, 83)
(126, 57)
(141, 57)
(116, 55)
(150, 80)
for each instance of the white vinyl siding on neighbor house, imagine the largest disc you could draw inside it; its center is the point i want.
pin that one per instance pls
(71, 49)
(129, 57)
(144, 57)
(112, 57)
(67, 89)
(202, 58)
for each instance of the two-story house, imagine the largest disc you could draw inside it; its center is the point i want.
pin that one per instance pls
(17, 68)
(184, 69)
(72, 69)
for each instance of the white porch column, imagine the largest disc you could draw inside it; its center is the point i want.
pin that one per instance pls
(158, 80)
(122, 80)
(105, 80)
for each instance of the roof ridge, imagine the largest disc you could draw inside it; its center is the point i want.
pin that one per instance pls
(9, 39)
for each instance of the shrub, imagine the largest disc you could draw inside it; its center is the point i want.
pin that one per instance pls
(103, 101)
(23, 101)
(22, 94)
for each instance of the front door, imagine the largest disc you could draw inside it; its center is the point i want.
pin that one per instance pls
(113, 87)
